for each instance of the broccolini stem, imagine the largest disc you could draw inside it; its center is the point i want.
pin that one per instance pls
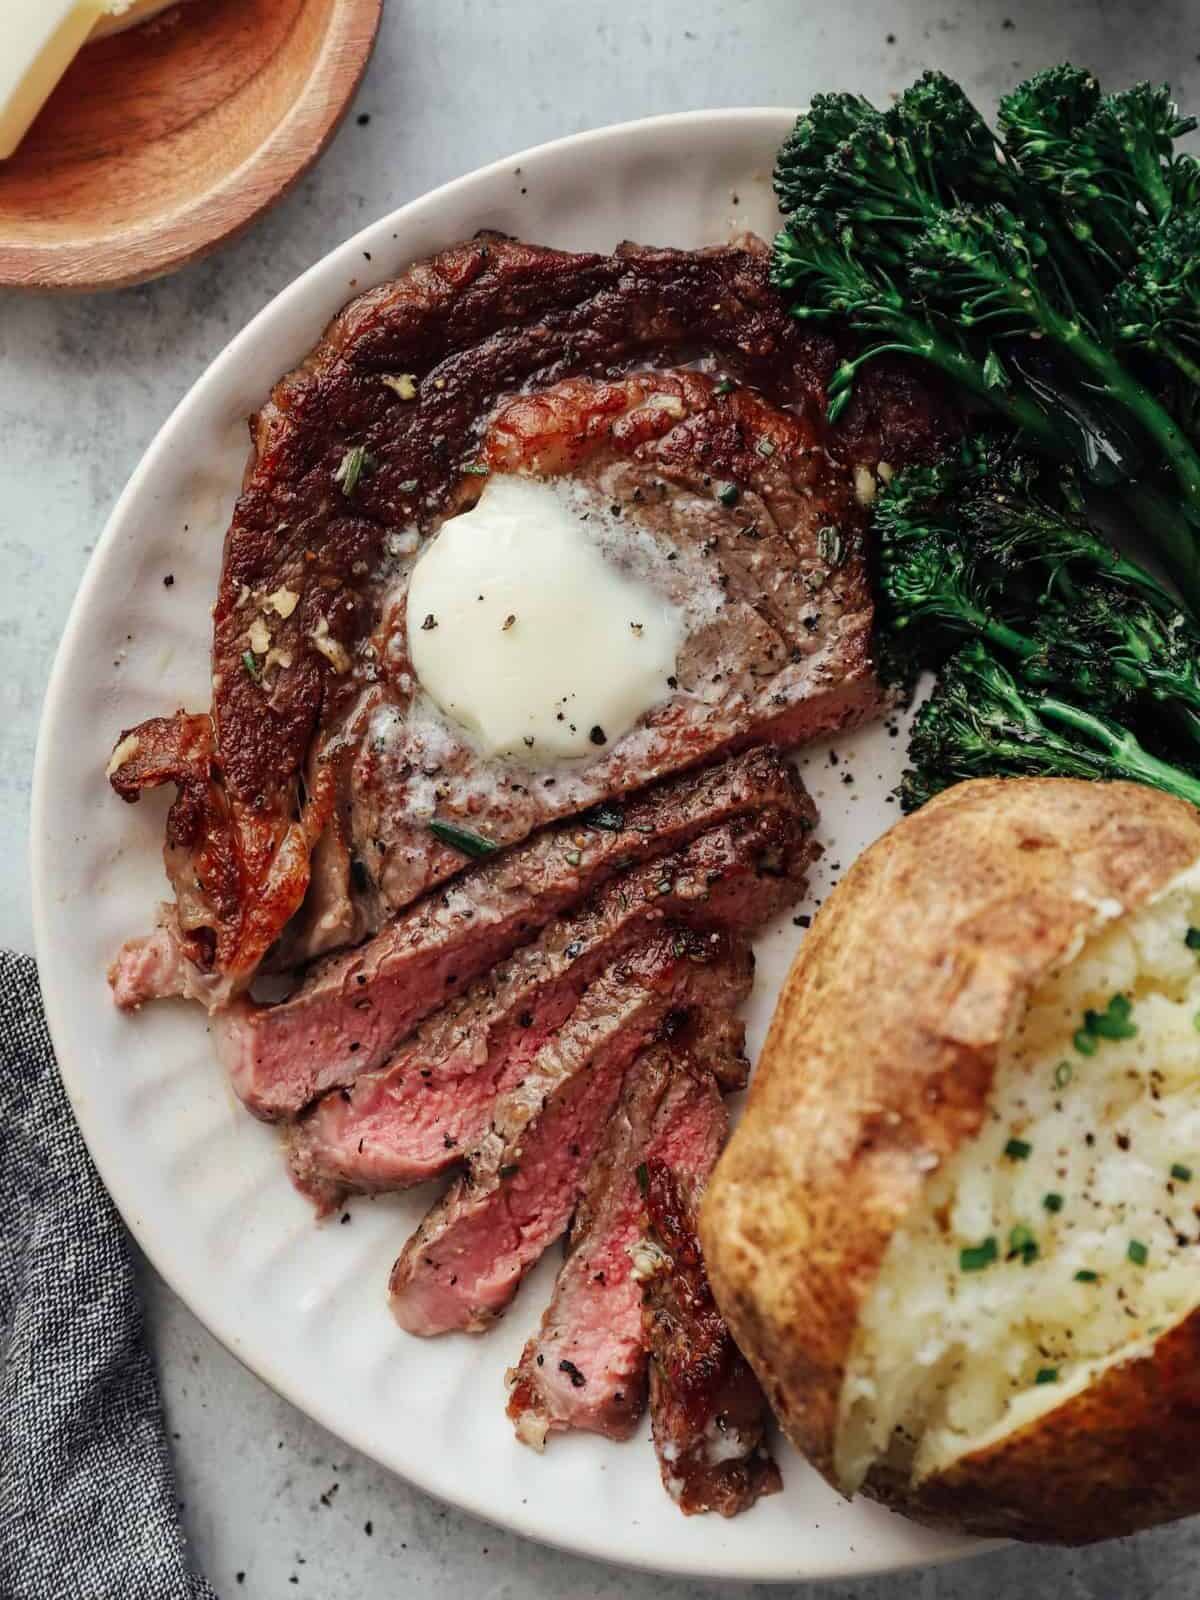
(1174, 539)
(1185, 363)
(1156, 420)
(911, 337)
(1123, 749)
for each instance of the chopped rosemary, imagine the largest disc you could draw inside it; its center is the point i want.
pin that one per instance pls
(1192, 938)
(471, 844)
(1084, 1275)
(1018, 1150)
(1063, 1073)
(1180, 1173)
(1137, 1253)
(1052, 1201)
(355, 464)
(1046, 1375)
(830, 547)
(1085, 1044)
(253, 670)
(643, 1176)
(729, 494)
(607, 816)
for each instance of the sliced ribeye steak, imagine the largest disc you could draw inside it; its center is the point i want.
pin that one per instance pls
(733, 876)
(466, 1261)
(406, 1122)
(586, 1367)
(305, 800)
(352, 1009)
(708, 1414)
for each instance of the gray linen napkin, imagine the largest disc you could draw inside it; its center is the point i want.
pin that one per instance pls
(87, 1499)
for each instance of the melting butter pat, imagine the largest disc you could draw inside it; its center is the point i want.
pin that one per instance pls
(38, 41)
(534, 630)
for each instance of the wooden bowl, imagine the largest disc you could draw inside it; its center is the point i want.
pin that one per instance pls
(161, 142)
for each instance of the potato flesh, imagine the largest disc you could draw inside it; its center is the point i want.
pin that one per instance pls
(944, 1358)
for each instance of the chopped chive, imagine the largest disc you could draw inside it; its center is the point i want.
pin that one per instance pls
(1192, 938)
(729, 494)
(1084, 1275)
(1086, 1045)
(1052, 1201)
(1046, 1375)
(1111, 1023)
(1181, 1173)
(573, 858)
(511, 1170)
(471, 844)
(407, 485)
(977, 1256)
(1196, 1021)
(1018, 1150)
(643, 1176)
(251, 665)
(476, 469)
(765, 447)
(1137, 1253)
(726, 386)
(1063, 1073)
(1021, 1242)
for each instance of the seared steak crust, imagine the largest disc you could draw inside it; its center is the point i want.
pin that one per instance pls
(466, 1261)
(707, 1412)
(362, 448)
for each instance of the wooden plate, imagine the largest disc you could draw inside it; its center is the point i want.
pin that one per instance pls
(161, 142)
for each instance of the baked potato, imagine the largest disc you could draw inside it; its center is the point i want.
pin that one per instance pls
(957, 1232)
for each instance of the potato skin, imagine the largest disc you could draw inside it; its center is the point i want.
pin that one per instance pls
(877, 1065)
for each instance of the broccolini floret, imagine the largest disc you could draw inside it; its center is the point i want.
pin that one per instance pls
(1050, 276)
(981, 721)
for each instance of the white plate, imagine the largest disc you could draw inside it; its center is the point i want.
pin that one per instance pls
(199, 1182)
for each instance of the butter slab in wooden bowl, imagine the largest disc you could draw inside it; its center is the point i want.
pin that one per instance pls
(164, 139)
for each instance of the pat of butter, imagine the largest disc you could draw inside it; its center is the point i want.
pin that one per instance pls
(535, 633)
(38, 41)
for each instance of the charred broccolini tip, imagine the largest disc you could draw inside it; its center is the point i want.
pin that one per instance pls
(981, 721)
(987, 546)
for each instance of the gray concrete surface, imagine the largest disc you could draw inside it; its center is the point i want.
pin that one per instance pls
(84, 384)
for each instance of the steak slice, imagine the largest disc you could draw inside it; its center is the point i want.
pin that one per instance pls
(466, 1261)
(352, 1009)
(402, 388)
(586, 1367)
(707, 1412)
(407, 1121)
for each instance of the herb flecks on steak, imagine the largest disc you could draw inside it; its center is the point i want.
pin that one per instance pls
(312, 563)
